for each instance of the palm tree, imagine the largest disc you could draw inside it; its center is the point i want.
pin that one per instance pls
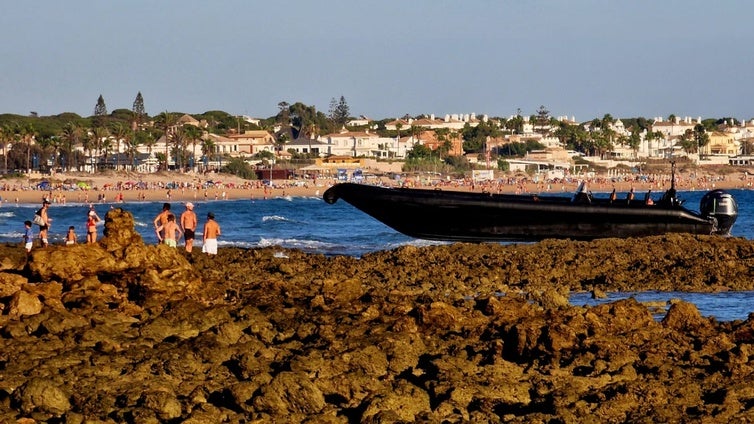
(27, 134)
(70, 136)
(88, 144)
(6, 137)
(132, 145)
(208, 147)
(107, 144)
(120, 132)
(166, 122)
(178, 140)
(45, 146)
(149, 141)
(99, 135)
(193, 134)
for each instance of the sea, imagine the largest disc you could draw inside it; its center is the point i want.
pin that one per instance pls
(311, 225)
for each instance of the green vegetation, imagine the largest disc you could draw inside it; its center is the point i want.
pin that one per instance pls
(238, 167)
(70, 141)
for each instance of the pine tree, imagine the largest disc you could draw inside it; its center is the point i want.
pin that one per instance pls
(100, 112)
(340, 112)
(542, 120)
(331, 109)
(138, 110)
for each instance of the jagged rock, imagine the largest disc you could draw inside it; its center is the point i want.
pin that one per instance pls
(120, 233)
(163, 402)
(684, 316)
(153, 273)
(12, 257)
(23, 304)
(450, 333)
(43, 395)
(404, 403)
(11, 283)
(290, 393)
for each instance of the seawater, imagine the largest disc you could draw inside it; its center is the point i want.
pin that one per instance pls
(313, 226)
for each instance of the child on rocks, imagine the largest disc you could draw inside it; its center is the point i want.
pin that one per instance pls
(70, 238)
(28, 236)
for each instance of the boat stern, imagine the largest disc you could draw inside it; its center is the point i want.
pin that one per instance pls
(721, 206)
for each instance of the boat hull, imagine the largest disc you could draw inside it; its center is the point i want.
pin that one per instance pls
(479, 217)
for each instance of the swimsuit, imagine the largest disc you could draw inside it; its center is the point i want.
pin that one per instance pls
(170, 242)
(210, 246)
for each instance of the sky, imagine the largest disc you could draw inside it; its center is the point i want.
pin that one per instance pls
(387, 58)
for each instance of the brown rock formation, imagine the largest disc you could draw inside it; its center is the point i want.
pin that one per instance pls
(124, 332)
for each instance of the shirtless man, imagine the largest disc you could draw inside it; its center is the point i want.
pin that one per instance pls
(169, 233)
(211, 231)
(188, 223)
(162, 218)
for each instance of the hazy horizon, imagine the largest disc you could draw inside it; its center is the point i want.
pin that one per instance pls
(580, 59)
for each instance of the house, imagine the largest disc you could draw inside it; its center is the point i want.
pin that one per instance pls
(675, 127)
(250, 142)
(305, 145)
(433, 142)
(351, 143)
(720, 143)
(361, 121)
(249, 119)
(190, 120)
(451, 122)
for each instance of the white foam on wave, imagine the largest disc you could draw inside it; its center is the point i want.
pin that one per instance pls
(295, 244)
(8, 214)
(416, 243)
(275, 218)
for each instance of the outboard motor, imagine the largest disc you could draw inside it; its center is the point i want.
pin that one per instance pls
(720, 205)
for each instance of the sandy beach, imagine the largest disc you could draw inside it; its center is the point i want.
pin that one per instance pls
(107, 188)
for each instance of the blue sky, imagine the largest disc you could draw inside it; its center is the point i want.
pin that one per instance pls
(388, 58)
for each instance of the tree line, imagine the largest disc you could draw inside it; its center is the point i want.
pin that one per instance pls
(69, 141)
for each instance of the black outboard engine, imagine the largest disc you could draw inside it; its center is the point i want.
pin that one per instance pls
(723, 207)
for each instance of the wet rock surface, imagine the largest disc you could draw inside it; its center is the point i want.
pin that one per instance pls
(125, 332)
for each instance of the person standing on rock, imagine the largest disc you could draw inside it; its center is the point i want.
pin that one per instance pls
(91, 226)
(211, 232)
(161, 219)
(28, 236)
(188, 223)
(169, 233)
(70, 238)
(46, 220)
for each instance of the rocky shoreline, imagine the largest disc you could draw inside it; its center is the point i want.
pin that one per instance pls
(126, 332)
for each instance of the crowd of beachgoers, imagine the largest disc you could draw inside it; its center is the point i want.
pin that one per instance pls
(152, 187)
(597, 184)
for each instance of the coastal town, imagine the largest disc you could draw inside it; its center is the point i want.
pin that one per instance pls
(301, 151)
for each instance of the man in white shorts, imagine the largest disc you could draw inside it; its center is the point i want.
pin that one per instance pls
(211, 232)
